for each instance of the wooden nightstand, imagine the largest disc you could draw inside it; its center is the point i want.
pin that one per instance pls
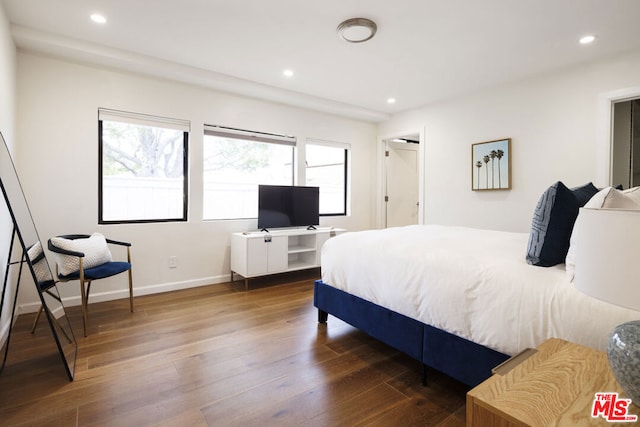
(555, 386)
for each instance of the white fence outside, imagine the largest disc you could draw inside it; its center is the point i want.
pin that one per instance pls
(126, 198)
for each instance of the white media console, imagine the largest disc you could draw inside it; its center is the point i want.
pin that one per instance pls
(259, 253)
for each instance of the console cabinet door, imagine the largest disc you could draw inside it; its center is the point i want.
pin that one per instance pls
(277, 256)
(257, 257)
(266, 255)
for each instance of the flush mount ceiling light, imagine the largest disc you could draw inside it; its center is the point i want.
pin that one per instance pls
(587, 39)
(98, 18)
(357, 30)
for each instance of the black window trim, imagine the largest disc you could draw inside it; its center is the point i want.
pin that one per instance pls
(185, 187)
(346, 149)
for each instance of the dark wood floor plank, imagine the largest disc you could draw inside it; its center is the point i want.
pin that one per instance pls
(217, 355)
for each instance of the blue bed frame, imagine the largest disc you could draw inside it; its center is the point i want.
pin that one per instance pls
(466, 361)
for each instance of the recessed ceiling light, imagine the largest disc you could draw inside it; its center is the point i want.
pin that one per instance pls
(587, 39)
(391, 101)
(357, 30)
(287, 73)
(98, 18)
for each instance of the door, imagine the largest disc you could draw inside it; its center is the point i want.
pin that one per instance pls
(401, 176)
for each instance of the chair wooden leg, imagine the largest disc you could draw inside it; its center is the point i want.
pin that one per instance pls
(130, 291)
(84, 307)
(130, 279)
(35, 322)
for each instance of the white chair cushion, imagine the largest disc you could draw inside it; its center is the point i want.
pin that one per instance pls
(95, 249)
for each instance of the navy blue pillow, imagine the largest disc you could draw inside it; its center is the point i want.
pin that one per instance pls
(584, 193)
(553, 220)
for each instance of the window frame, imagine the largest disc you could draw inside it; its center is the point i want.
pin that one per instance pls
(347, 151)
(250, 136)
(137, 118)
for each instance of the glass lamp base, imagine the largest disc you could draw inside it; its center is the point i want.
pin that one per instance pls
(623, 351)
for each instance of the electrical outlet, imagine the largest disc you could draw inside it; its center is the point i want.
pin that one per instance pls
(173, 261)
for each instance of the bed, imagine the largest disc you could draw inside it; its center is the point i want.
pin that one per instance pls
(459, 300)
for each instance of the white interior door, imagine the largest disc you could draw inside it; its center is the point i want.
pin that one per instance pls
(402, 190)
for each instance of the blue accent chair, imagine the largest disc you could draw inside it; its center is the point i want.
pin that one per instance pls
(86, 276)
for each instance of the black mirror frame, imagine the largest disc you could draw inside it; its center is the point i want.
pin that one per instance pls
(33, 255)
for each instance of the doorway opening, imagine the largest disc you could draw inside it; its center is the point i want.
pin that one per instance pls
(401, 180)
(614, 166)
(625, 143)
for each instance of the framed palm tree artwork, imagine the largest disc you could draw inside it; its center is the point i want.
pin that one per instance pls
(491, 165)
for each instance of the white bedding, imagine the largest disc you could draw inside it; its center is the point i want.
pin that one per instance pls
(473, 283)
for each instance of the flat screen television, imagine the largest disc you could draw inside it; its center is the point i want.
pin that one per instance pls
(288, 206)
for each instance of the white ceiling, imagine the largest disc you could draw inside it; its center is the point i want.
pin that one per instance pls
(424, 51)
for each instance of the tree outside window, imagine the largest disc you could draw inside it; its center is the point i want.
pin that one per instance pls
(142, 176)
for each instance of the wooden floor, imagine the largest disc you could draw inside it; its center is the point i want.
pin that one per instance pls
(220, 356)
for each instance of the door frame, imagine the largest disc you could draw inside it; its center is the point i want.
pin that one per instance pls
(604, 142)
(381, 171)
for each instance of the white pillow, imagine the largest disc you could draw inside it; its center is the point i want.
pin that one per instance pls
(633, 193)
(40, 266)
(611, 198)
(607, 198)
(597, 200)
(94, 248)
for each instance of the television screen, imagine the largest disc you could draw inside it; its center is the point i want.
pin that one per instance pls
(288, 206)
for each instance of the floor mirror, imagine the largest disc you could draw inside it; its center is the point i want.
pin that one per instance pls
(26, 259)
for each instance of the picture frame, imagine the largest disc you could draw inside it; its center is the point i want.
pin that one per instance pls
(491, 165)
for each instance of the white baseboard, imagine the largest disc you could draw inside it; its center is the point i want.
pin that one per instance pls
(4, 330)
(124, 293)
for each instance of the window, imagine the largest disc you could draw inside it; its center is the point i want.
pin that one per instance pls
(235, 162)
(326, 167)
(142, 168)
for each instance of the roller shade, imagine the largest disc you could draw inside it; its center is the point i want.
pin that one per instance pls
(342, 145)
(143, 119)
(226, 132)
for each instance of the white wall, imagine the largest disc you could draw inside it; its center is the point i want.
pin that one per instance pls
(552, 120)
(58, 128)
(7, 118)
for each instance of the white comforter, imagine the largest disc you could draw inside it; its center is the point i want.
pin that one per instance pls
(473, 283)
